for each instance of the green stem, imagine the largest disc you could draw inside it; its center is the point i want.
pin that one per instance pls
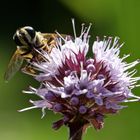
(75, 131)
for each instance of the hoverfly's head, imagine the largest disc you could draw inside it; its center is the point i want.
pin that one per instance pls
(25, 36)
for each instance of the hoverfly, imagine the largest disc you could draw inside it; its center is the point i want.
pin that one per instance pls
(27, 41)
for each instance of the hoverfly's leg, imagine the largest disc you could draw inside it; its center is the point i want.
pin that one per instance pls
(51, 45)
(29, 57)
(28, 69)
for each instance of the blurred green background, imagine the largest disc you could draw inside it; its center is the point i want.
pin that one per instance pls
(109, 17)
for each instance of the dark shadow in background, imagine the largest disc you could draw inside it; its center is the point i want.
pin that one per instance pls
(45, 16)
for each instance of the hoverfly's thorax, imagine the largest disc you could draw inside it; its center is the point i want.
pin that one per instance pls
(39, 40)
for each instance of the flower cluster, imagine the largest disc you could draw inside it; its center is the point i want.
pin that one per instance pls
(84, 89)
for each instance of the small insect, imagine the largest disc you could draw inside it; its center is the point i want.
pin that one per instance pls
(28, 41)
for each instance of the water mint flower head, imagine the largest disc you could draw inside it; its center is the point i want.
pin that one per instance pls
(84, 89)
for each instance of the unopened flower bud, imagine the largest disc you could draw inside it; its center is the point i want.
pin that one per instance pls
(100, 76)
(91, 68)
(57, 107)
(90, 95)
(89, 61)
(50, 96)
(74, 101)
(83, 109)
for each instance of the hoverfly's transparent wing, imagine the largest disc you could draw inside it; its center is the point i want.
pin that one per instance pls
(51, 39)
(52, 36)
(14, 65)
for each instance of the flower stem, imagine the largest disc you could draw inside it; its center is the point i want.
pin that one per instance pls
(75, 131)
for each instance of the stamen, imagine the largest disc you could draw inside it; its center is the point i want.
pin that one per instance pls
(131, 87)
(121, 45)
(115, 41)
(58, 81)
(43, 112)
(104, 38)
(89, 75)
(117, 47)
(73, 25)
(108, 43)
(125, 56)
(28, 108)
(132, 73)
(107, 83)
(90, 24)
(81, 67)
(130, 65)
(133, 100)
(82, 29)
(135, 96)
(32, 88)
(104, 41)
(28, 92)
(60, 36)
(58, 43)
(58, 92)
(38, 51)
(134, 79)
(137, 85)
(97, 38)
(88, 37)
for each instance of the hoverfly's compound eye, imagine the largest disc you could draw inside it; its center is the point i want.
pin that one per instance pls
(30, 31)
(17, 40)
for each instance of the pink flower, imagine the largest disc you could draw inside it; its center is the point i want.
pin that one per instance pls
(84, 89)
